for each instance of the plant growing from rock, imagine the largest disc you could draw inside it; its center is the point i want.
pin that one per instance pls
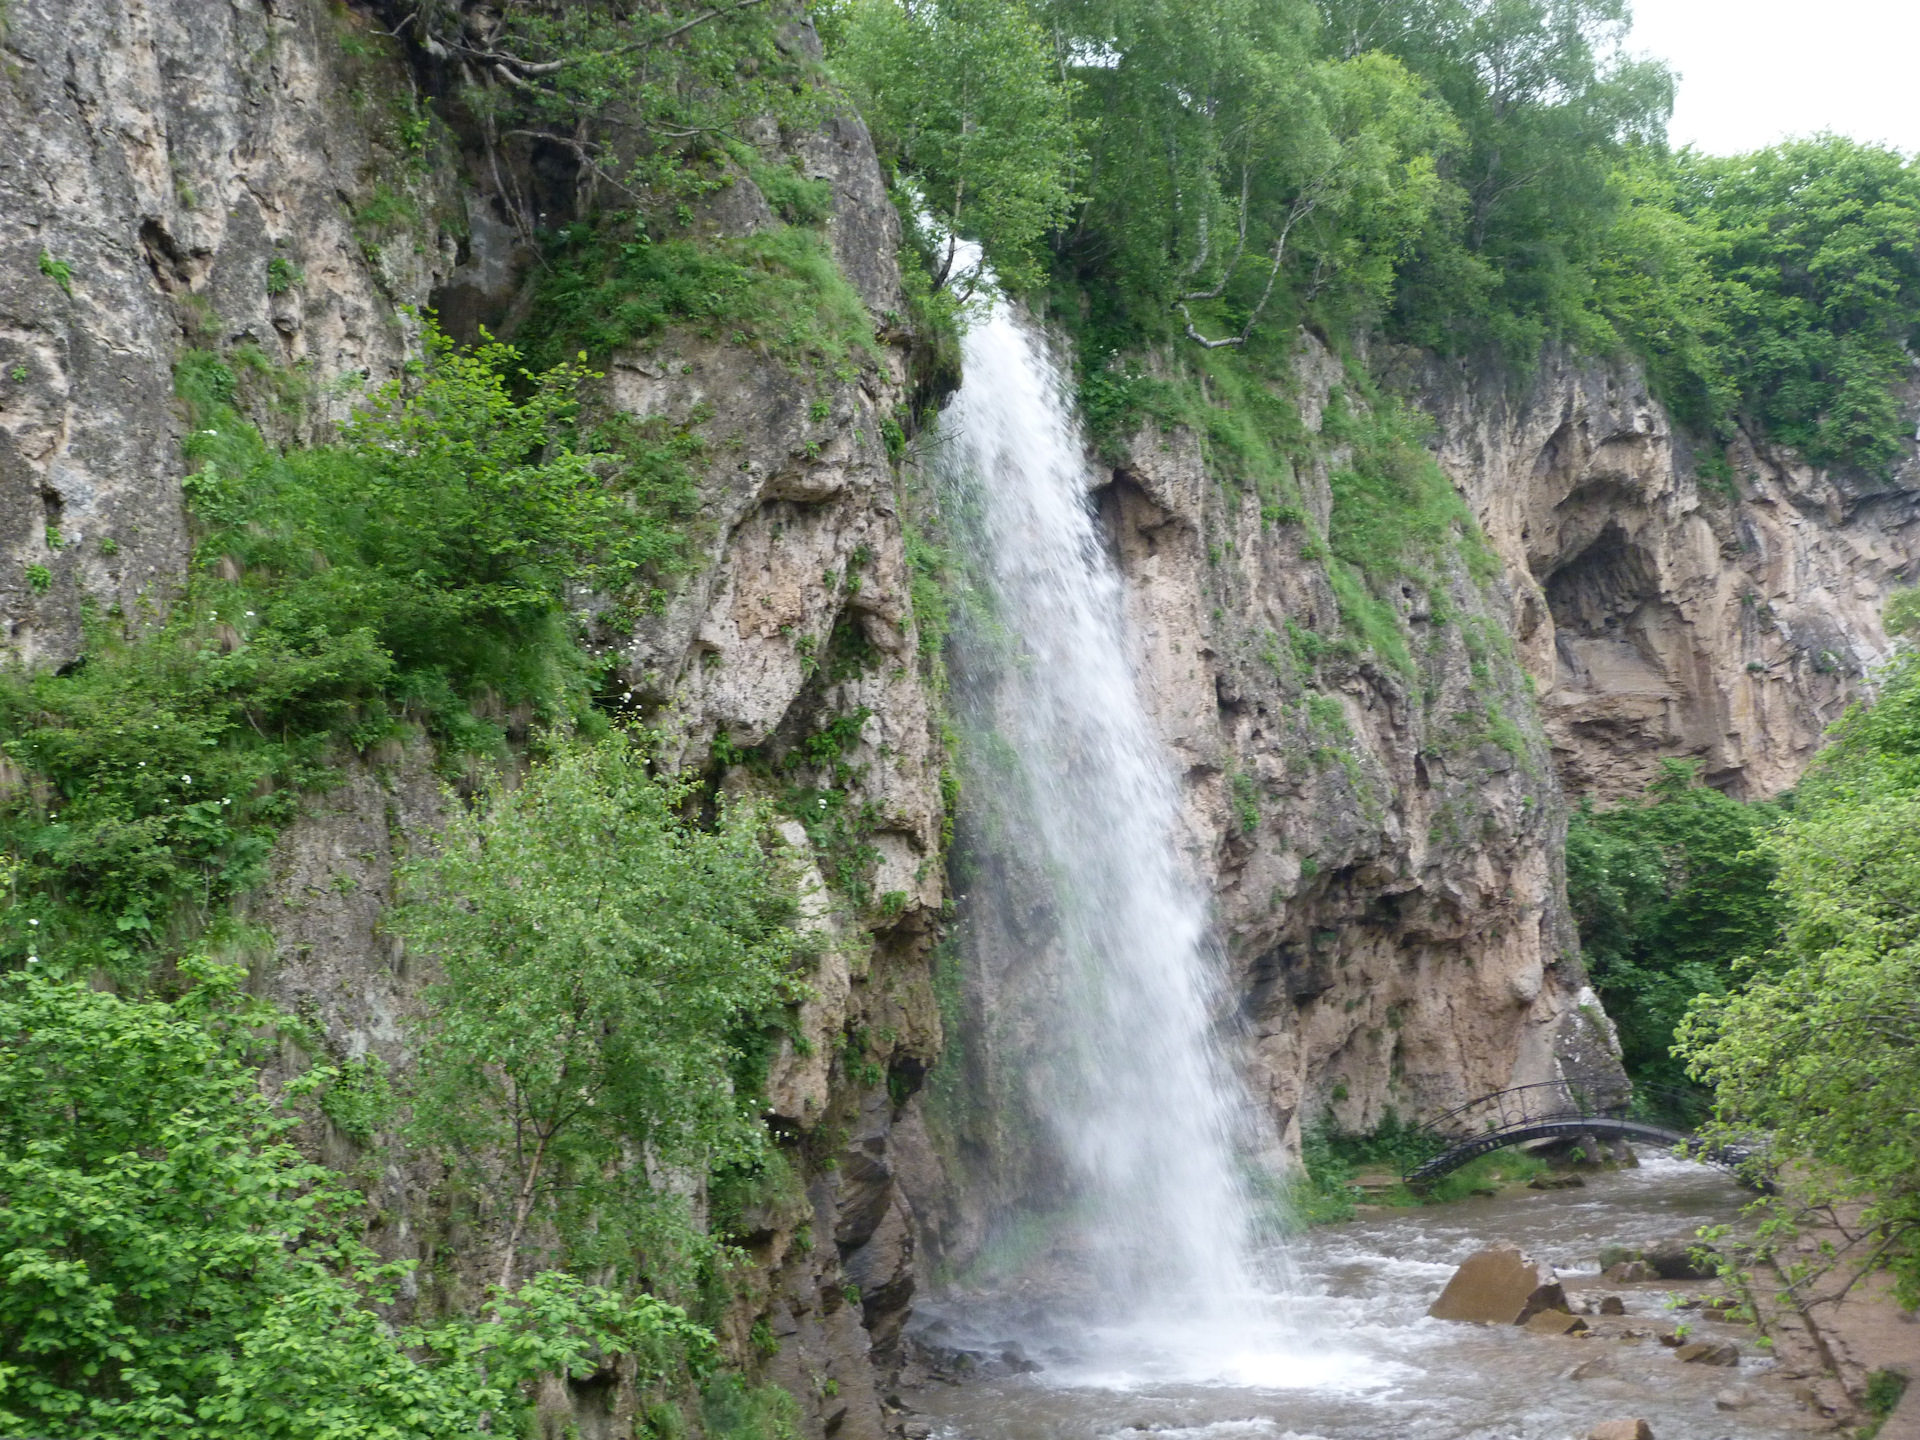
(614, 977)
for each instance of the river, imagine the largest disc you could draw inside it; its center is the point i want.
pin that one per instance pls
(1351, 1355)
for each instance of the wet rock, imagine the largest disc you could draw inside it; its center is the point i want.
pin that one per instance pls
(1592, 1369)
(1672, 1339)
(1556, 1322)
(1556, 1182)
(1612, 1305)
(1621, 1430)
(1628, 1272)
(1735, 1397)
(1708, 1352)
(1500, 1286)
(1612, 1255)
(1682, 1259)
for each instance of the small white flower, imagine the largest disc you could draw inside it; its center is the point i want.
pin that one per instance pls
(249, 614)
(33, 922)
(33, 959)
(186, 779)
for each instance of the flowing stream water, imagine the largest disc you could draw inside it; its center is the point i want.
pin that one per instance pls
(1187, 1319)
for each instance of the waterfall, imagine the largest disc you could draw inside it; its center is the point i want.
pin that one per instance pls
(1142, 1100)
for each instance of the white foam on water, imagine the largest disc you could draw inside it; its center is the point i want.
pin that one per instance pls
(1144, 1102)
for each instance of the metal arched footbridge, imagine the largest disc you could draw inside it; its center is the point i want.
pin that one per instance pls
(1548, 1111)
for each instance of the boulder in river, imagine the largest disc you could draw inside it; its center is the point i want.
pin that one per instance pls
(1682, 1259)
(1627, 1272)
(1556, 1322)
(1500, 1286)
(1557, 1182)
(1708, 1352)
(1612, 1305)
(1612, 1255)
(1621, 1430)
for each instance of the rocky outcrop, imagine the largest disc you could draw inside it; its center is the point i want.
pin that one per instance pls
(1382, 841)
(273, 183)
(178, 169)
(1500, 1286)
(1662, 613)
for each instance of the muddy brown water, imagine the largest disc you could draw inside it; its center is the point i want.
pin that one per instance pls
(1348, 1353)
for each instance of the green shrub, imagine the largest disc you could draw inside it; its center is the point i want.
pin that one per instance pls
(171, 1267)
(614, 981)
(416, 568)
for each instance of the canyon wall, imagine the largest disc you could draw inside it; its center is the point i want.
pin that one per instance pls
(272, 183)
(1662, 614)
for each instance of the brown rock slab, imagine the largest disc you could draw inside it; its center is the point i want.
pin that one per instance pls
(1555, 1322)
(1682, 1259)
(1628, 1272)
(1621, 1430)
(1708, 1352)
(1612, 1305)
(1591, 1369)
(1499, 1286)
(1556, 1182)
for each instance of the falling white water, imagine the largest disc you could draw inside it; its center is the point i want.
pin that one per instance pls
(1144, 1104)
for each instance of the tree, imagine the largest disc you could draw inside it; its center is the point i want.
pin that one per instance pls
(1670, 895)
(970, 98)
(1822, 1048)
(612, 977)
(1815, 245)
(171, 1268)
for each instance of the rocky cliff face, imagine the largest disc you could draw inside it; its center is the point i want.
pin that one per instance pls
(268, 181)
(1662, 614)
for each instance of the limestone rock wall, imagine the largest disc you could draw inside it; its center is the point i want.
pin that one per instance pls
(1384, 845)
(271, 180)
(1660, 615)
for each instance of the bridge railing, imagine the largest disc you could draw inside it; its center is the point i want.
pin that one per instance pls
(1521, 1105)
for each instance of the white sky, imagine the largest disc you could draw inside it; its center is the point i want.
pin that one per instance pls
(1755, 71)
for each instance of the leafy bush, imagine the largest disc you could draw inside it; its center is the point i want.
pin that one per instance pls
(1820, 1047)
(609, 284)
(614, 978)
(1670, 894)
(418, 566)
(171, 1267)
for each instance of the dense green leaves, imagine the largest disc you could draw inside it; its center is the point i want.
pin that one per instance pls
(1670, 894)
(1820, 1050)
(170, 1266)
(967, 95)
(613, 977)
(1815, 245)
(417, 568)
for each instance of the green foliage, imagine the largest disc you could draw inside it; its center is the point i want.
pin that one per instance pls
(730, 1409)
(58, 271)
(1811, 244)
(358, 1098)
(644, 98)
(969, 96)
(1670, 894)
(173, 1268)
(613, 980)
(608, 285)
(415, 568)
(1820, 1047)
(282, 275)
